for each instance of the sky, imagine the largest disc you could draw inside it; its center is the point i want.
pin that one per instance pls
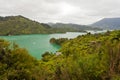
(65, 11)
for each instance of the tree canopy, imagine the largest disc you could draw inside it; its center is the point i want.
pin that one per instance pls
(87, 57)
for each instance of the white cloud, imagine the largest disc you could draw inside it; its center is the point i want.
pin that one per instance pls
(69, 11)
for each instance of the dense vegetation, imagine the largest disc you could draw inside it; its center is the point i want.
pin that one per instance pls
(72, 27)
(87, 57)
(17, 25)
(59, 41)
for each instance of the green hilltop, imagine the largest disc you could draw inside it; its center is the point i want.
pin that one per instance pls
(19, 25)
(16, 25)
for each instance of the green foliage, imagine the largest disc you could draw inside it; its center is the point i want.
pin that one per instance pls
(59, 41)
(88, 57)
(17, 25)
(15, 63)
(97, 55)
(72, 27)
(46, 56)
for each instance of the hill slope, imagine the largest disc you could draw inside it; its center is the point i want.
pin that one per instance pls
(72, 27)
(87, 57)
(108, 23)
(15, 25)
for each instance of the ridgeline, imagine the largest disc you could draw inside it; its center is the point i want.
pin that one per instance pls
(19, 25)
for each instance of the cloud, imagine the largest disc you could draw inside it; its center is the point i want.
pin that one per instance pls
(66, 11)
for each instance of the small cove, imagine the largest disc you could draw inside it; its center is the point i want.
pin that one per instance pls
(37, 44)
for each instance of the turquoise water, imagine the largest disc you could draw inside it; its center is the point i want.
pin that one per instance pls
(38, 44)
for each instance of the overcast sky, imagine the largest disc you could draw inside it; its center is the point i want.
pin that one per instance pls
(66, 11)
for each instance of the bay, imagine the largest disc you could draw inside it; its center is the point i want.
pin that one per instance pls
(37, 44)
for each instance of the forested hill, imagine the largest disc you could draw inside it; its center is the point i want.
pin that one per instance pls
(87, 57)
(15, 25)
(108, 23)
(71, 26)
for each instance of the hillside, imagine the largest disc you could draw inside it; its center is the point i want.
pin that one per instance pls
(15, 25)
(108, 23)
(19, 25)
(72, 27)
(86, 57)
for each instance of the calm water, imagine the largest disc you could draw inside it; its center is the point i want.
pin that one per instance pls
(37, 44)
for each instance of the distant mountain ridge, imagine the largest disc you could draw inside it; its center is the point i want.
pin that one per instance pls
(72, 26)
(18, 25)
(108, 23)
